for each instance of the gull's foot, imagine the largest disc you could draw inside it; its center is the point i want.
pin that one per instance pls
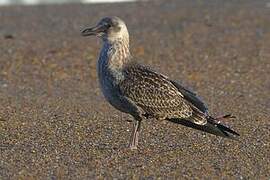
(133, 147)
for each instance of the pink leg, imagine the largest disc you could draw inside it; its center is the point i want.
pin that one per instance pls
(135, 135)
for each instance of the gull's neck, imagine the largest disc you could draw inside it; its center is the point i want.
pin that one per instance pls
(113, 58)
(116, 52)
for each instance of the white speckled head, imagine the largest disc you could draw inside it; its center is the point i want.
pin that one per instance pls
(110, 29)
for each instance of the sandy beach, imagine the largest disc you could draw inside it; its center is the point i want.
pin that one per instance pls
(56, 124)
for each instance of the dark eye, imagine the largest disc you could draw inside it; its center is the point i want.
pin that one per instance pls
(108, 25)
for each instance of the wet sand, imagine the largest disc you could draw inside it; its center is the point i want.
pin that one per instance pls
(55, 123)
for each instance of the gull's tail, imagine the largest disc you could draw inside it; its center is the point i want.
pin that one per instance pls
(213, 126)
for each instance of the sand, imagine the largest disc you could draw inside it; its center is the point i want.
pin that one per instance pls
(55, 123)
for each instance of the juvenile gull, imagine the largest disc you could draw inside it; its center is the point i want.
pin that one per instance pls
(142, 92)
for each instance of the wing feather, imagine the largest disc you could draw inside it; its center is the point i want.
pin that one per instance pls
(191, 97)
(154, 93)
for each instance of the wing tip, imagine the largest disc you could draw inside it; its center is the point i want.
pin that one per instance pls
(210, 127)
(227, 132)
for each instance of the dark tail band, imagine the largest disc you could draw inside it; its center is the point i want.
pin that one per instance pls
(212, 126)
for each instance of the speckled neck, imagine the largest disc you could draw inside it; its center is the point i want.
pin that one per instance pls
(117, 53)
(113, 58)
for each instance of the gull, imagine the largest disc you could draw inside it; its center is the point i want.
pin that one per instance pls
(143, 93)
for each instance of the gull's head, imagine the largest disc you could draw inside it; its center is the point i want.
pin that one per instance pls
(110, 29)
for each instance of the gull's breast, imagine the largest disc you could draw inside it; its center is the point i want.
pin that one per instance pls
(109, 80)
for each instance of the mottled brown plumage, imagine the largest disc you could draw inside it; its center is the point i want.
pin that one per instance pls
(144, 93)
(154, 93)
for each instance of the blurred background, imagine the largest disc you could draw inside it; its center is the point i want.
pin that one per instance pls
(35, 2)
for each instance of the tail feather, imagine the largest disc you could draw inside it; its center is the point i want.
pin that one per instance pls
(220, 129)
(212, 127)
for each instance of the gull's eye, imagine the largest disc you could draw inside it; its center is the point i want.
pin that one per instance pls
(107, 25)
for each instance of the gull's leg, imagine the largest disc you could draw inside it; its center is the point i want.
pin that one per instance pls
(135, 134)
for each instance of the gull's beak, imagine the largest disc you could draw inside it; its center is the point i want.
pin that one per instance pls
(93, 30)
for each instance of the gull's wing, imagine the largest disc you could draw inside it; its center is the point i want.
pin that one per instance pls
(191, 97)
(160, 97)
(155, 94)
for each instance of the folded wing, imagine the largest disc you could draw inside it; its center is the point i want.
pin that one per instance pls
(154, 93)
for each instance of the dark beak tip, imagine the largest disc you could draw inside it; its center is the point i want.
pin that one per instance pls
(86, 32)
(83, 33)
(92, 31)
